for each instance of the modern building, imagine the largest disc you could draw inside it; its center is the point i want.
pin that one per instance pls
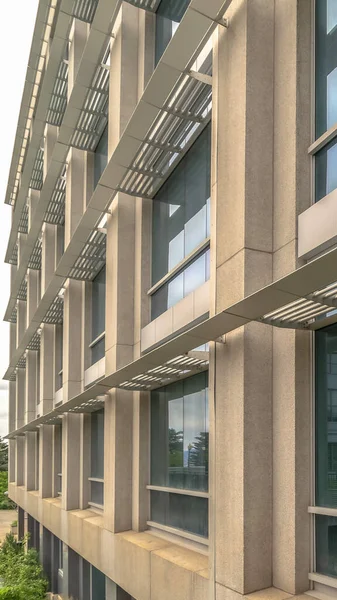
(173, 305)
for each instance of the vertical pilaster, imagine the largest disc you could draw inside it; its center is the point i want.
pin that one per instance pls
(71, 459)
(20, 398)
(21, 320)
(140, 460)
(72, 339)
(32, 203)
(46, 369)
(241, 253)
(45, 461)
(33, 285)
(78, 37)
(291, 349)
(74, 192)
(50, 137)
(31, 386)
(48, 255)
(30, 465)
(11, 427)
(19, 460)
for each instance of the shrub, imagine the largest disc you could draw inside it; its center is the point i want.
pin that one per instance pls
(14, 524)
(5, 502)
(20, 572)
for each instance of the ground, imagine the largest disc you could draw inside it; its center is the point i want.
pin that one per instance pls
(6, 519)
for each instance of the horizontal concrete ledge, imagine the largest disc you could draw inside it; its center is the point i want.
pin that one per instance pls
(317, 227)
(144, 565)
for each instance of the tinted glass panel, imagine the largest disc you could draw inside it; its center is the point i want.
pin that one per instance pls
(97, 584)
(97, 492)
(97, 444)
(98, 351)
(168, 16)
(326, 417)
(326, 65)
(98, 315)
(326, 545)
(181, 209)
(188, 280)
(326, 170)
(188, 513)
(101, 156)
(179, 434)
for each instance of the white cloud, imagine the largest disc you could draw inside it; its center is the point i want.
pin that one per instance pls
(18, 19)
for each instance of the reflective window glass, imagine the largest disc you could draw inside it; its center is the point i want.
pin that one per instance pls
(97, 584)
(326, 417)
(188, 513)
(168, 17)
(326, 545)
(101, 156)
(326, 170)
(326, 65)
(179, 434)
(181, 209)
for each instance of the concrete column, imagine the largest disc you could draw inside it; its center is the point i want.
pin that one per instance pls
(33, 285)
(72, 339)
(46, 369)
(71, 459)
(78, 37)
(31, 386)
(11, 406)
(32, 203)
(118, 410)
(30, 465)
(20, 398)
(50, 137)
(11, 460)
(241, 253)
(19, 460)
(75, 193)
(48, 255)
(12, 339)
(57, 455)
(85, 461)
(45, 461)
(140, 460)
(22, 238)
(21, 320)
(291, 349)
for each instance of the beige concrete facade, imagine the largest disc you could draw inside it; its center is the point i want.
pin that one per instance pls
(260, 543)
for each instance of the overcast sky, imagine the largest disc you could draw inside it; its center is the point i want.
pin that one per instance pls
(18, 17)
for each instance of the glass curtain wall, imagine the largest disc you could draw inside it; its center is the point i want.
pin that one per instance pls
(97, 345)
(97, 458)
(168, 17)
(326, 449)
(326, 94)
(181, 223)
(179, 454)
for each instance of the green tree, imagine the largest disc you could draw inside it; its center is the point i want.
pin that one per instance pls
(3, 455)
(20, 571)
(5, 502)
(175, 447)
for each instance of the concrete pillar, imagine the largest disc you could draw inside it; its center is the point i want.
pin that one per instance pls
(241, 252)
(50, 137)
(11, 460)
(46, 369)
(48, 255)
(71, 459)
(45, 461)
(78, 37)
(140, 460)
(57, 459)
(32, 203)
(30, 464)
(118, 409)
(75, 192)
(31, 386)
(291, 349)
(11, 427)
(12, 339)
(21, 320)
(33, 285)
(85, 461)
(19, 460)
(72, 340)
(22, 238)
(20, 398)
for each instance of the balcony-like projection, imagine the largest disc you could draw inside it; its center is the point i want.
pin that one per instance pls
(59, 96)
(36, 181)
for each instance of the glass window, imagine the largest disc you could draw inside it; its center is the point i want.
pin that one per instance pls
(326, 417)
(181, 222)
(179, 453)
(326, 170)
(181, 209)
(326, 545)
(182, 284)
(97, 457)
(101, 156)
(168, 17)
(97, 584)
(98, 316)
(326, 65)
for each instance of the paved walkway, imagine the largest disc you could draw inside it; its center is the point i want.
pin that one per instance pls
(6, 519)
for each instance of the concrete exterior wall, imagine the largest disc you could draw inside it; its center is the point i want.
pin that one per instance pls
(259, 379)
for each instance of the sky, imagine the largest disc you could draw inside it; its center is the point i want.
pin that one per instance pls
(18, 17)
